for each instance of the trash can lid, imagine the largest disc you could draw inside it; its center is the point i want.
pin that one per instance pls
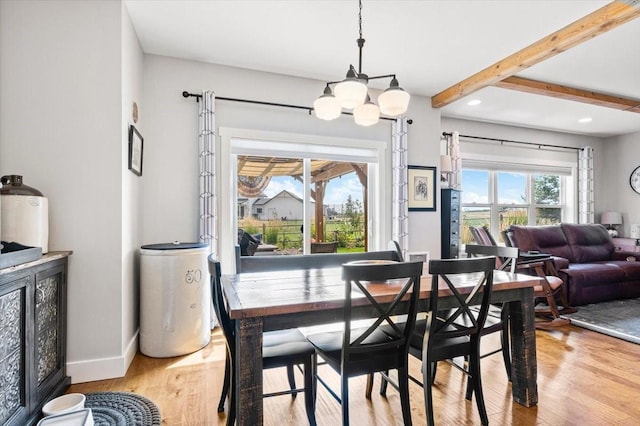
(176, 245)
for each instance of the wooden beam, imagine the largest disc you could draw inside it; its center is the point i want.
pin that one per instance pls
(602, 20)
(569, 93)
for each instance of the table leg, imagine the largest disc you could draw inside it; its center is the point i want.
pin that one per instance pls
(524, 368)
(248, 372)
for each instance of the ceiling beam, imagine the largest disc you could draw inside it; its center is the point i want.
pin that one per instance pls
(602, 20)
(569, 93)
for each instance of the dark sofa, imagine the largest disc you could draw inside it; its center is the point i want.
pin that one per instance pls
(585, 258)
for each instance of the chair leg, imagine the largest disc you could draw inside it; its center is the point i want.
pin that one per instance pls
(292, 380)
(505, 341)
(427, 378)
(383, 384)
(309, 390)
(477, 382)
(369, 388)
(403, 386)
(231, 415)
(225, 384)
(344, 388)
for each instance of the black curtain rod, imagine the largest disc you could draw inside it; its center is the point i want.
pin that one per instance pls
(248, 101)
(539, 145)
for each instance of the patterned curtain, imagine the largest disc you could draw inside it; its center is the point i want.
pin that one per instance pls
(586, 213)
(400, 231)
(453, 142)
(207, 155)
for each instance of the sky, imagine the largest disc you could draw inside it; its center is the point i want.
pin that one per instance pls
(336, 192)
(511, 187)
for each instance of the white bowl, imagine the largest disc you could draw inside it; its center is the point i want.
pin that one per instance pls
(64, 404)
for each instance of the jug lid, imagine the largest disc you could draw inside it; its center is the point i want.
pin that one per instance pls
(12, 185)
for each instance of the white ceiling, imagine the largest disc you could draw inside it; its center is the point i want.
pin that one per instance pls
(429, 45)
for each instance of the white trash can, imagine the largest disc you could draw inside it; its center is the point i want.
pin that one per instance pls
(175, 299)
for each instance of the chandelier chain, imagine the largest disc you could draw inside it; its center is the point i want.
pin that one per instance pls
(360, 17)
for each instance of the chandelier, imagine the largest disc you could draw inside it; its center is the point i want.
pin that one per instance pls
(352, 94)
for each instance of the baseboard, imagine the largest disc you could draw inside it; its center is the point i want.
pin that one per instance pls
(103, 368)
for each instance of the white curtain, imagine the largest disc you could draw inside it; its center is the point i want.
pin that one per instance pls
(400, 231)
(453, 147)
(586, 213)
(207, 179)
(207, 176)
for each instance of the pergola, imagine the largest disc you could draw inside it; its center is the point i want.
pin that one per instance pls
(254, 174)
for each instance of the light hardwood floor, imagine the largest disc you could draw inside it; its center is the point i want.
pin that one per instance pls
(584, 378)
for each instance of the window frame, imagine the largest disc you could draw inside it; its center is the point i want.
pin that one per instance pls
(234, 141)
(495, 207)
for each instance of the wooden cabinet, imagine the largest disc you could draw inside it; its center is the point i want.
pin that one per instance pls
(627, 244)
(450, 224)
(33, 309)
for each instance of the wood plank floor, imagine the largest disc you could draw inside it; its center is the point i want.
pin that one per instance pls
(584, 378)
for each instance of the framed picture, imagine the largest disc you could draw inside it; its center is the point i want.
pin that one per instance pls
(421, 185)
(135, 150)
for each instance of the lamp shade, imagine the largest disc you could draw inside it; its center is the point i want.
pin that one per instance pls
(327, 107)
(445, 164)
(394, 101)
(366, 114)
(611, 218)
(351, 91)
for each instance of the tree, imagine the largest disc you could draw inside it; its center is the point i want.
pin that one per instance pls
(546, 189)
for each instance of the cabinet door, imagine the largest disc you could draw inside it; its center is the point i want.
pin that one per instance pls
(13, 373)
(49, 332)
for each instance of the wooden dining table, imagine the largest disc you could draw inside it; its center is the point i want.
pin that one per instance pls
(276, 300)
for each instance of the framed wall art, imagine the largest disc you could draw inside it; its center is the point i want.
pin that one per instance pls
(135, 150)
(421, 188)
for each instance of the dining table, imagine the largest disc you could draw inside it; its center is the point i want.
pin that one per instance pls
(276, 300)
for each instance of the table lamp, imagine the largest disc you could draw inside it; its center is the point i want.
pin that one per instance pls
(611, 220)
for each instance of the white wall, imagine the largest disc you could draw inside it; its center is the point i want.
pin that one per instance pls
(132, 88)
(61, 126)
(170, 178)
(621, 157)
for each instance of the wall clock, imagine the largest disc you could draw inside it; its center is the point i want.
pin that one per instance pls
(634, 180)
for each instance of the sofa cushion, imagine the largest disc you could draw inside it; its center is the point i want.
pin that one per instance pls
(545, 239)
(594, 274)
(631, 269)
(588, 242)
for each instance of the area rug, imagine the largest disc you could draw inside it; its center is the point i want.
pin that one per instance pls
(617, 318)
(122, 409)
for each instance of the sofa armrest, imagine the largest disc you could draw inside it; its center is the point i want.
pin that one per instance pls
(560, 262)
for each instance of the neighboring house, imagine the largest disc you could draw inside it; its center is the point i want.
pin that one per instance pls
(283, 206)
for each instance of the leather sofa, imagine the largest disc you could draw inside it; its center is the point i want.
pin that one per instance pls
(585, 259)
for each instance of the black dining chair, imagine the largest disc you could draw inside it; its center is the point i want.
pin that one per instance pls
(282, 348)
(451, 331)
(498, 315)
(381, 345)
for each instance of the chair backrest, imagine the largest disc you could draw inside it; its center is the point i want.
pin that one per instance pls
(225, 321)
(395, 246)
(507, 256)
(459, 320)
(357, 346)
(331, 247)
(482, 235)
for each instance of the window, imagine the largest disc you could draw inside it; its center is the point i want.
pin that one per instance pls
(499, 199)
(375, 185)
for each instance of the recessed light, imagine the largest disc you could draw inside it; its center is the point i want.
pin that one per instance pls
(474, 102)
(585, 120)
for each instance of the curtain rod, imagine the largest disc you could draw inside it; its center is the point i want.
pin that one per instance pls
(186, 94)
(539, 145)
